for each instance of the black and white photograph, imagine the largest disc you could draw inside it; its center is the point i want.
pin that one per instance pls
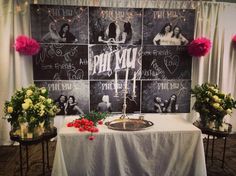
(115, 25)
(168, 26)
(72, 97)
(166, 62)
(59, 24)
(61, 62)
(108, 96)
(112, 61)
(166, 96)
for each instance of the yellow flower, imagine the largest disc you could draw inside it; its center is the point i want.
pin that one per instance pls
(216, 99)
(42, 98)
(29, 101)
(211, 87)
(51, 113)
(228, 111)
(41, 113)
(43, 90)
(9, 109)
(25, 106)
(42, 107)
(216, 105)
(209, 93)
(49, 100)
(220, 108)
(216, 90)
(29, 92)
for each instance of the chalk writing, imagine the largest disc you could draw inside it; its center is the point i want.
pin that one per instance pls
(171, 63)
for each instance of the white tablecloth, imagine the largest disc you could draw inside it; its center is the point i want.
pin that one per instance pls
(172, 147)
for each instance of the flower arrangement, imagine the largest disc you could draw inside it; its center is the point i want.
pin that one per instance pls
(26, 46)
(88, 122)
(212, 104)
(199, 47)
(30, 105)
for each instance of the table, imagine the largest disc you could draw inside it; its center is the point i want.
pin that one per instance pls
(215, 134)
(45, 137)
(172, 147)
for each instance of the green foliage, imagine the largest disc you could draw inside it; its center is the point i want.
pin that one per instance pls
(95, 116)
(211, 103)
(31, 105)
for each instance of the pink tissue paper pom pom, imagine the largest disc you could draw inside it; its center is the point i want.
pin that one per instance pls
(26, 46)
(234, 39)
(199, 47)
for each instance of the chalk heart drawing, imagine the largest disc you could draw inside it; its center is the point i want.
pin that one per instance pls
(171, 63)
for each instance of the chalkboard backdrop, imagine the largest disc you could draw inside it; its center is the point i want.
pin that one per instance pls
(155, 19)
(100, 19)
(43, 16)
(164, 89)
(100, 88)
(61, 62)
(85, 53)
(78, 89)
(104, 60)
(166, 62)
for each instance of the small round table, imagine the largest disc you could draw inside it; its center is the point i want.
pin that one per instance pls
(215, 134)
(45, 137)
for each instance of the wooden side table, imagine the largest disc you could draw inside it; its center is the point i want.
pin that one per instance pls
(45, 137)
(215, 134)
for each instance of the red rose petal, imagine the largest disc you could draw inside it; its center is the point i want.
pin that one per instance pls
(100, 122)
(91, 138)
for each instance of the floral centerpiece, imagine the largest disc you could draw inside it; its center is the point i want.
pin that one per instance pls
(31, 106)
(88, 122)
(212, 104)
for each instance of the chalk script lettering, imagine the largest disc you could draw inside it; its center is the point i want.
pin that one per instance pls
(75, 74)
(61, 12)
(157, 53)
(68, 66)
(161, 52)
(156, 67)
(107, 86)
(123, 58)
(152, 73)
(115, 14)
(120, 59)
(111, 86)
(60, 86)
(83, 61)
(167, 86)
(165, 14)
(102, 61)
(171, 63)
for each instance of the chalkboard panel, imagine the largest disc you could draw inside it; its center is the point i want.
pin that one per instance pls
(94, 68)
(108, 23)
(61, 62)
(98, 89)
(78, 89)
(106, 59)
(166, 62)
(48, 22)
(156, 19)
(166, 96)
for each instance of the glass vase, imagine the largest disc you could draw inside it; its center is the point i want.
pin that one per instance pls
(23, 130)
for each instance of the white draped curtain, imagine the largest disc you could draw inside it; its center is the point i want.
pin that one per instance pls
(214, 20)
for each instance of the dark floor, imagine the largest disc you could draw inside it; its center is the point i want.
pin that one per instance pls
(9, 159)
